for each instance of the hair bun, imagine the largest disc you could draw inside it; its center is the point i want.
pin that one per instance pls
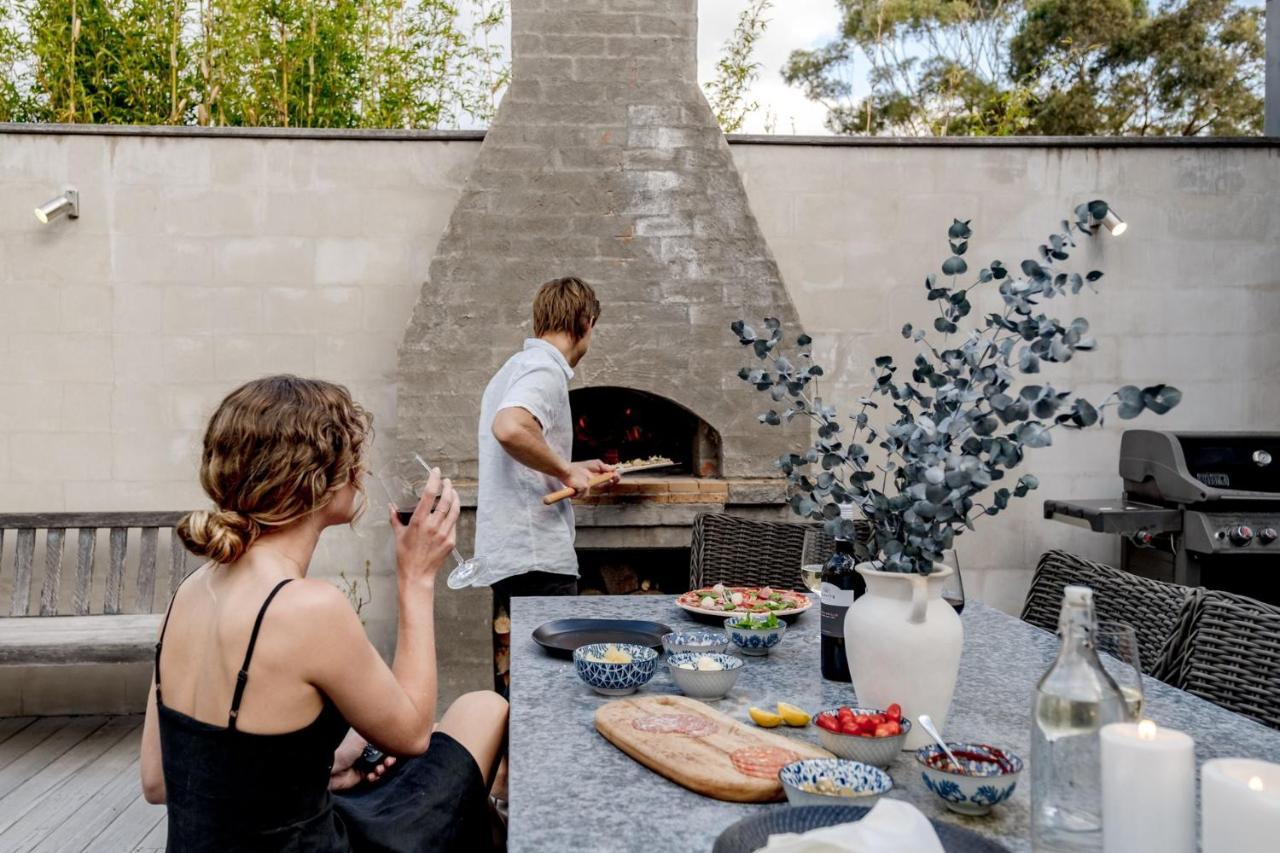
(222, 535)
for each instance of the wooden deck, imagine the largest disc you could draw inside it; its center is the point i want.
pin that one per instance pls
(71, 784)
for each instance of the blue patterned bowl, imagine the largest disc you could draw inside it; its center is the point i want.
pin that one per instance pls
(878, 751)
(711, 642)
(615, 679)
(701, 683)
(840, 782)
(753, 641)
(982, 785)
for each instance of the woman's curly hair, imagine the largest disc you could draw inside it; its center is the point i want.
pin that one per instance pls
(276, 450)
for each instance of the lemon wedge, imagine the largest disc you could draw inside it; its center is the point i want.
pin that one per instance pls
(767, 719)
(792, 716)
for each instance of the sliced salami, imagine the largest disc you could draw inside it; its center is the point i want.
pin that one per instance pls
(680, 724)
(695, 726)
(762, 762)
(656, 723)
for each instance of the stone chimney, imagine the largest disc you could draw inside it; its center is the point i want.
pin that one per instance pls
(605, 162)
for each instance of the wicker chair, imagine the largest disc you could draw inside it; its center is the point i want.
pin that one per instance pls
(1151, 607)
(744, 552)
(1227, 650)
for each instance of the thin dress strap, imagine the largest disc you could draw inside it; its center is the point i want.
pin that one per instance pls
(160, 642)
(242, 677)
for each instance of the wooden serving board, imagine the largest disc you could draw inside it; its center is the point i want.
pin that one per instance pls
(700, 748)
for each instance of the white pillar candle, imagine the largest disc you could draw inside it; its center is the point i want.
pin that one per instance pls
(1148, 789)
(1240, 799)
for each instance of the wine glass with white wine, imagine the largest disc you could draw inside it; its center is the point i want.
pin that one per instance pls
(816, 552)
(1117, 647)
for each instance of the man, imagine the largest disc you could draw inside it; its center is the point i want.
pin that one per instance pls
(526, 443)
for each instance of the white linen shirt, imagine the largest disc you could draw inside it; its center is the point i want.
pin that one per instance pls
(515, 531)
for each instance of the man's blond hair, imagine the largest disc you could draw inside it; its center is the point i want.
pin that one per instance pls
(565, 305)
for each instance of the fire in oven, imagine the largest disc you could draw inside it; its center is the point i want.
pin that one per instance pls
(1198, 508)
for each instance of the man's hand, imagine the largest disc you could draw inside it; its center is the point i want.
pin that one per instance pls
(577, 475)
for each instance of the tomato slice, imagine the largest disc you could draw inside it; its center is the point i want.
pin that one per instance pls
(894, 712)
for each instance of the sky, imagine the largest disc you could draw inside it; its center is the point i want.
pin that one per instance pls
(793, 25)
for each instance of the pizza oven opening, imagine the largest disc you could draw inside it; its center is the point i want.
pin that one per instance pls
(618, 425)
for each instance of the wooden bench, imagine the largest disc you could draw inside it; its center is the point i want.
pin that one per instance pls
(90, 616)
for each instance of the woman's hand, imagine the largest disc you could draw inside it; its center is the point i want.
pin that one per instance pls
(423, 544)
(344, 775)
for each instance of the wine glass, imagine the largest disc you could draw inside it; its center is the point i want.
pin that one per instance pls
(953, 587)
(1117, 647)
(816, 552)
(405, 494)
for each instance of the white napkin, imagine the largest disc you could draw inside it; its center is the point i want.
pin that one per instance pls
(891, 826)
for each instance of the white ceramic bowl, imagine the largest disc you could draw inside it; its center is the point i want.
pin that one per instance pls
(982, 785)
(700, 683)
(615, 679)
(877, 751)
(850, 783)
(753, 641)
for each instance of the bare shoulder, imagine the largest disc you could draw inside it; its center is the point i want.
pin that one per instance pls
(313, 600)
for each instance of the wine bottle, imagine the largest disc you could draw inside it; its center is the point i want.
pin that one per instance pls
(840, 586)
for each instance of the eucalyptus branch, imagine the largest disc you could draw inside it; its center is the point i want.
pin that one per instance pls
(945, 447)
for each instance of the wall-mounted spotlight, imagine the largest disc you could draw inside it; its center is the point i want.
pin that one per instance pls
(1097, 213)
(67, 204)
(1114, 223)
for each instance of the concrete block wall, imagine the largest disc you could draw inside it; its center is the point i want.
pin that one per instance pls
(1190, 294)
(196, 264)
(122, 330)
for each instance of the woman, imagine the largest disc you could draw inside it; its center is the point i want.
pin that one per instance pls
(266, 688)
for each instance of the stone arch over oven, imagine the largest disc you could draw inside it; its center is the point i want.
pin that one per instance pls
(617, 424)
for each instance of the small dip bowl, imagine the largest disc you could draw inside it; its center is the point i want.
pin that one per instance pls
(704, 683)
(753, 641)
(712, 642)
(877, 751)
(987, 776)
(615, 679)
(833, 782)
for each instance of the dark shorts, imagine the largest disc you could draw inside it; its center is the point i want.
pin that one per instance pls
(433, 802)
(529, 583)
(534, 583)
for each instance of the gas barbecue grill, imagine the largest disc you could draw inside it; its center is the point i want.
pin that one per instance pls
(1199, 508)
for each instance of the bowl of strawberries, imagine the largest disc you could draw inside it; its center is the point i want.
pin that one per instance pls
(869, 735)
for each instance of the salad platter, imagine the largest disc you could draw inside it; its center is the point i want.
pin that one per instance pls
(720, 601)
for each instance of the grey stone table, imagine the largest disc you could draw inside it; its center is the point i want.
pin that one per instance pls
(572, 790)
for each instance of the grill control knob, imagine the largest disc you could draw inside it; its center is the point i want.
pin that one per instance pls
(1241, 535)
(1261, 458)
(1267, 535)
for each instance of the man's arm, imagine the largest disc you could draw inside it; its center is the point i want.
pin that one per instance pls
(520, 435)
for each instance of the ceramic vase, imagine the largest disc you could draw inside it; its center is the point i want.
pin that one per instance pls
(903, 642)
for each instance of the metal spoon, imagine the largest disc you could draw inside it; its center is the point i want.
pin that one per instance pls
(926, 723)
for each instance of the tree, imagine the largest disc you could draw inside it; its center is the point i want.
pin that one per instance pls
(998, 67)
(100, 62)
(14, 105)
(736, 69)
(286, 63)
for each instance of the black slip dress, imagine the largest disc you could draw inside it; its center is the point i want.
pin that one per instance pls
(229, 790)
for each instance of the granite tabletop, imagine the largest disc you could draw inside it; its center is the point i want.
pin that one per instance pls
(572, 790)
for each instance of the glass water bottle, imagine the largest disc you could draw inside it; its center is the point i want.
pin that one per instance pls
(1073, 701)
